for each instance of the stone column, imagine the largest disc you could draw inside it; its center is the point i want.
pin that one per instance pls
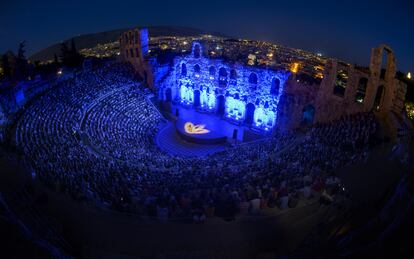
(374, 78)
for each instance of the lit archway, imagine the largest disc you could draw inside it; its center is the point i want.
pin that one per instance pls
(253, 81)
(253, 78)
(183, 69)
(275, 86)
(249, 113)
(196, 98)
(197, 51)
(222, 77)
(197, 69)
(221, 104)
(233, 74)
(212, 71)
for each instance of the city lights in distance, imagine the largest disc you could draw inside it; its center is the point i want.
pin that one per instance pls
(294, 67)
(409, 75)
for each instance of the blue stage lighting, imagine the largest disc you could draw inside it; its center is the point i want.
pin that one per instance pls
(241, 93)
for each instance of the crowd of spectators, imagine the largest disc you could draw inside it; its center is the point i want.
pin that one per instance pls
(131, 174)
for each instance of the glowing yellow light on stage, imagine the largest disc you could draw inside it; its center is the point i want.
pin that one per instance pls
(190, 128)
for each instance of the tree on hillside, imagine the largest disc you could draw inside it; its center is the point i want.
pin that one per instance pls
(70, 56)
(55, 59)
(64, 53)
(76, 57)
(73, 46)
(6, 67)
(21, 69)
(21, 51)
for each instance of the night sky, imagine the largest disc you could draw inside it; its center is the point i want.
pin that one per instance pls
(338, 28)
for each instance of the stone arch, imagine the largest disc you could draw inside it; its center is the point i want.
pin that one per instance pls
(136, 37)
(222, 77)
(221, 104)
(196, 98)
(253, 81)
(377, 62)
(275, 86)
(197, 50)
(183, 69)
(308, 114)
(249, 113)
(233, 74)
(381, 86)
(361, 90)
(197, 69)
(379, 97)
(253, 78)
(212, 71)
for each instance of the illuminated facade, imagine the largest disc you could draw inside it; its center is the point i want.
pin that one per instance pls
(242, 94)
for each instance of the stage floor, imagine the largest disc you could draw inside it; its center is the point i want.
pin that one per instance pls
(169, 141)
(212, 122)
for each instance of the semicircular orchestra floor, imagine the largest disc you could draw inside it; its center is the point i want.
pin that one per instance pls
(169, 141)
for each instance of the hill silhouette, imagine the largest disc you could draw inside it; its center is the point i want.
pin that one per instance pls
(92, 39)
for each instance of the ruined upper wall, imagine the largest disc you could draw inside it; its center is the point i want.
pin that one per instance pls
(134, 50)
(347, 89)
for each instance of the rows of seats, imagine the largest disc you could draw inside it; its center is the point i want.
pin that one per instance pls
(116, 128)
(130, 173)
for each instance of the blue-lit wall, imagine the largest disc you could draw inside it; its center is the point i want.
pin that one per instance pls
(243, 93)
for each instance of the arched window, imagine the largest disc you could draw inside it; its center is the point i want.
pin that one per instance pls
(253, 81)
(379, 97)
(183, 69)
(197, 51)
(361, 90)
(212, 71)
(253, 78)
(275, 86)
(222, 76)
(340, 83)
(249, 113)
(197, 69)
(233, 74)
(136, 37)
(223, 72)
